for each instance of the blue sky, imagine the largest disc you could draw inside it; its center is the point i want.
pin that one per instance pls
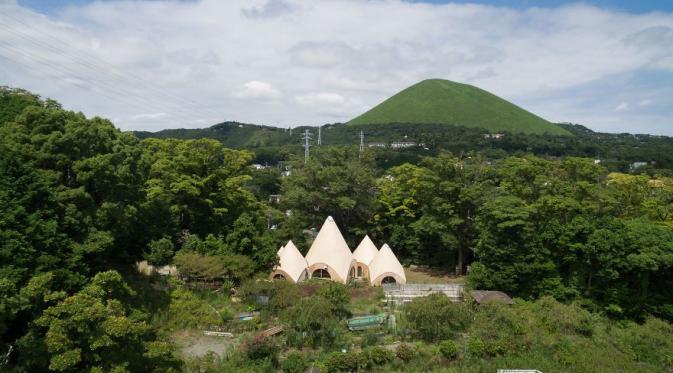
(166, 64)
(638, 6)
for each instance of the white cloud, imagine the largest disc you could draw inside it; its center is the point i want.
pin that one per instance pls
(645, 102)
(284, 62)
(257, 90)
(624, 106)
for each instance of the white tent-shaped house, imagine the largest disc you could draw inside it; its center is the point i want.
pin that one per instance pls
(292, 265)
(329, 256)
(386, 269)
(364, 254)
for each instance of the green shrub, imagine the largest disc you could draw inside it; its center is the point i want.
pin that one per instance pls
(284, 295)
(294, 363)
(281, 294)
(562, 318)
(369, 338)
(187, 310)
(160, 252)
(376, 356)
(337, 295)
(406, 352)
(651, 342)
(476, 347)
(436, 317)
(260, 348)
(503, 329)
(343, 362)
(310, 323)
(448, 349)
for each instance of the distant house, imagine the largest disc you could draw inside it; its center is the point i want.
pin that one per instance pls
(402, 144)
(637, 165)
(494, 135)
(274, 198)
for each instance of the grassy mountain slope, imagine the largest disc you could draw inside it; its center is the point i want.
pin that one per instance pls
(446, 102)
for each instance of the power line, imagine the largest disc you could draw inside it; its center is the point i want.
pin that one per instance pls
(97, 61)
(104, 89)
(99, 72)
(96, 64)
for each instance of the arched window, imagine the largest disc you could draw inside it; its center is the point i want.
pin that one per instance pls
(388, 280)
(321, 273)
(352, 271)
(278, 276)
(359, 271)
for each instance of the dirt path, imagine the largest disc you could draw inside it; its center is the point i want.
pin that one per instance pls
(194, 344)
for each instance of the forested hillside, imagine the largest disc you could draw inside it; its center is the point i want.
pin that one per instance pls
(586, 251)
(617, 152)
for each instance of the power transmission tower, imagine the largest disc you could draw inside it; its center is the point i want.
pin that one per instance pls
(290, 131)
(362, 143)
(307, 137)
(319, 135)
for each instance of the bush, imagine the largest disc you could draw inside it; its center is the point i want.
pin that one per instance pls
(310, 323)
(502, 329)
(369, 338)
(161, 252)
(281, 294)
(436, 317)
(284, 295)
(376, 356)
(294, 363)
(406, 352)
(562, 318)
(448, 349)
(343, 362)
(186, 310)
(337, 295)
(476, 347)
(260, 348)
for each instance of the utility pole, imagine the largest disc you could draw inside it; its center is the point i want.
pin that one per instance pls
(362, 143)
(319, 135)
(307, 138)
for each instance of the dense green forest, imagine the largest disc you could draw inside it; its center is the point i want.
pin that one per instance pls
(586, 248)
(617, 152)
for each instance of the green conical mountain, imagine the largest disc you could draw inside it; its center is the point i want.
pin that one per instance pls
(446, 102)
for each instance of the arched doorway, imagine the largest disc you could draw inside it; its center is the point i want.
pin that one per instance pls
(388, 280)
(359, 271)
(321, 273)
(352, 272)
(278, 276)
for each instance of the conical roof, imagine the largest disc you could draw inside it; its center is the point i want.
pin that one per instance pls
(330, 248)
(366, 251)
(291, 261)
(386, 264)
